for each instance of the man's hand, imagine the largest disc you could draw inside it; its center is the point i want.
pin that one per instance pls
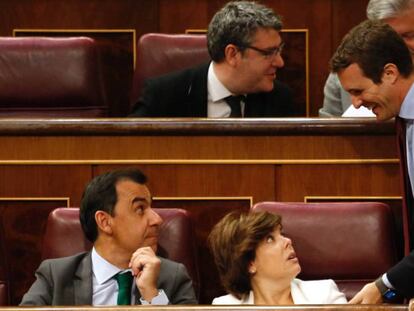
(145, 267)
(369, 294)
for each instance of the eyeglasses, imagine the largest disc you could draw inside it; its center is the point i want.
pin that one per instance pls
(270, 53)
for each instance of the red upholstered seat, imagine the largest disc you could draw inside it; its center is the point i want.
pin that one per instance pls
(64, 237)
(352, 243)
(159, 54)
(50, 77)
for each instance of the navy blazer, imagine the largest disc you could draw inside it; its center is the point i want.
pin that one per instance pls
(401, 275)
(184, 94)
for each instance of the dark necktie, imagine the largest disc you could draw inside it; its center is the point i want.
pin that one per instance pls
(124, 287)
(234, 103)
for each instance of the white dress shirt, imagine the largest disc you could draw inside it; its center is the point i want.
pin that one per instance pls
(105, 286)
(303, 292)
(217, 107)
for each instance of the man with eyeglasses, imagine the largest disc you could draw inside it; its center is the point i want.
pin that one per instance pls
(245, 46)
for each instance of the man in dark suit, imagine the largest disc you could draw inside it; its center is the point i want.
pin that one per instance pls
(122, 268)
(374, 65)
(245, 46)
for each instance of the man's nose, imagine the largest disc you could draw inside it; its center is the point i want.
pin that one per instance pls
(356, 101)
(155, 218)
(278, 61)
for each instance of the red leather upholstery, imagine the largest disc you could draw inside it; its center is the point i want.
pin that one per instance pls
(50, 77)
(159, 54)
(352, 243)
(64, 237)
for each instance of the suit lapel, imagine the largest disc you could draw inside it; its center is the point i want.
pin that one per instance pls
(254, 105)
(83, 282)
(196, 102)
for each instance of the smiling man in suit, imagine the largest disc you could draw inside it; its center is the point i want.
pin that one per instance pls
(245, 46)
(122, 268)
(374, 66)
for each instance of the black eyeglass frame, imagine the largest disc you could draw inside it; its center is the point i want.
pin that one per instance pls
(270, 53)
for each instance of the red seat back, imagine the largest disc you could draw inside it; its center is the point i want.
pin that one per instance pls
(159, 54)
(50, 77)
(352, 243)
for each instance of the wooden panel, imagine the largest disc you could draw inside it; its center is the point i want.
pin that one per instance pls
(205, 214)
(79, 14)
(44, 181)
(355, 12)
(22, 225)
(150, 148)
(337, 180)
(177, 16)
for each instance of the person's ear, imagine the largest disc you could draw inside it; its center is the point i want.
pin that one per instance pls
(390, 73)
(232, 54)
(103, 222)
(252, 268)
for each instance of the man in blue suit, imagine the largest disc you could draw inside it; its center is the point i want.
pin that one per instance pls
(375, 67)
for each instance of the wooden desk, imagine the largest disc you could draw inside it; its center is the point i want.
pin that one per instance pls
(206, 166)
(229, 308)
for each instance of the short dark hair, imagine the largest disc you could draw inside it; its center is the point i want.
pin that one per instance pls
(236, 23)
(233, 242)
(100, 195)
(372, 45)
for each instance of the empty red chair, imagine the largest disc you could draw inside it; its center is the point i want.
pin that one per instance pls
(50, 77)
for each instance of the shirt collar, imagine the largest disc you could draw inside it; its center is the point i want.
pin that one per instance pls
(216, 90)
(102, 269)
(407, 106)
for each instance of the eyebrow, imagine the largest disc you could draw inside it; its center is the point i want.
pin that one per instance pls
(140, 199)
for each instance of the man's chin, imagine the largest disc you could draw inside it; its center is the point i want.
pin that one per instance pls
(268, 87)
(154, 248)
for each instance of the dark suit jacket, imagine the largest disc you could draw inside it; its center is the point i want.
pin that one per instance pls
(67, 281)
(184, 94)
(401, 275)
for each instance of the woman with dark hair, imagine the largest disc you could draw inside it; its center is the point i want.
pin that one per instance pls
(258, 265)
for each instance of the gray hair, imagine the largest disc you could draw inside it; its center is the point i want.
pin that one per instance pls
(381, 9)
(236, 23)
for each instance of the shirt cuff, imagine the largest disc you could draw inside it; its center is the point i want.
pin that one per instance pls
(386, 281)
(160, 299)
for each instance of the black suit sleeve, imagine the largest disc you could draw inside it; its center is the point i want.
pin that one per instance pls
(285, 104)
(147, 104)
(401, 276)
